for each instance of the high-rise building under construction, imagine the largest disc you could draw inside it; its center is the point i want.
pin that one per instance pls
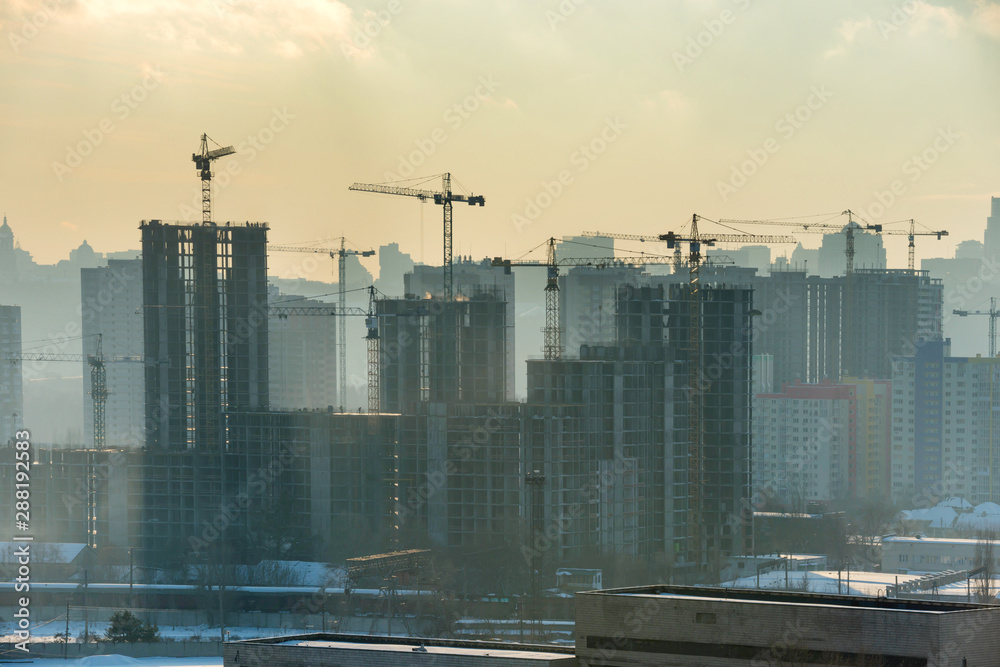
(471, 278)
(628, 467)
(436, 351)
(205, 326)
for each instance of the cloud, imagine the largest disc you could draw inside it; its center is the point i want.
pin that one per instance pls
(926, 17)
(986, 17)
(286, 27)
(915, 18)
(849, 29)
(672, 100)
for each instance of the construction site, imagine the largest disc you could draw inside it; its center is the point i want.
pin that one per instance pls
(631, 452)
(636, 440)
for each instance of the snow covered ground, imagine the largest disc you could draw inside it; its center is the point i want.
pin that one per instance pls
(861, 583)
(826, 581)
(46, 632)
(120, 660)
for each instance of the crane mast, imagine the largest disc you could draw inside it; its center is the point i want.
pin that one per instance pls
(203, 163)
(552, 343)
(371, 322)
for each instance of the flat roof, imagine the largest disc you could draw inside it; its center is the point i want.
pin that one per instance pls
(791, 597)
(931, 540)
(432, 646)
(501, 652)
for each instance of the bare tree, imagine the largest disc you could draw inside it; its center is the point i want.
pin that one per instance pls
(873, 520)
(985, 560)
(798, 492)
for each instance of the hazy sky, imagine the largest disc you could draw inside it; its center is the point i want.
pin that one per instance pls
(646, 111)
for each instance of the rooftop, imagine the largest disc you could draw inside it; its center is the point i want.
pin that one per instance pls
(451, 647)
(791, 598)
(933, 540)
(505, 651)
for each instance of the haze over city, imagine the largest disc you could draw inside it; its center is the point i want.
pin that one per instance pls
(570, 332)
(502, 95)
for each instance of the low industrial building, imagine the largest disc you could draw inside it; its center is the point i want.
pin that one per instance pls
(928, 554)
(320, 650)
(681, 625)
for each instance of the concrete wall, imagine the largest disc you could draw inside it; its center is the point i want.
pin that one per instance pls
(138, 650)
(678, 629)
(364, 651)
(927, 555)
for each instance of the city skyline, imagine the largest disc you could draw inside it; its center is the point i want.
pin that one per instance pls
(634, 116)
(687, 310)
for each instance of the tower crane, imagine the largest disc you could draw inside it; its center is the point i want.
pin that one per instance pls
(820, 228)
(445, 197)
(993, 314)
(552, 345)
(340, 254)
(98, 378)
(716, 238)
(910, 264)
(99, 393)
(203, 163)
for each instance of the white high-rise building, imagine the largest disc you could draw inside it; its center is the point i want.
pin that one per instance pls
(819, 442)
(302, 356)
(945, 426)
(801, 442)
(112, 307)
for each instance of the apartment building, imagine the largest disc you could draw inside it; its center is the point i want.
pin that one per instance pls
(945, 429)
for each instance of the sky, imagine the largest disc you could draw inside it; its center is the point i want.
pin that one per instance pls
(567, 115)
